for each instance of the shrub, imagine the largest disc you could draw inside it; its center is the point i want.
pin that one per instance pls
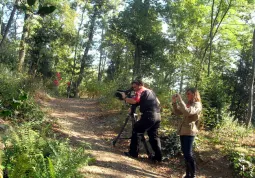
(21, 109)
(243, 165)
(27, 154)
(229, 132)
(171, 145)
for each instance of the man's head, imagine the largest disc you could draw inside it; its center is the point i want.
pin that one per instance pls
(137, 84)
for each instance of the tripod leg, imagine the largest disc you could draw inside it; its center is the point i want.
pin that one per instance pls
(146, 147)
(122, 129)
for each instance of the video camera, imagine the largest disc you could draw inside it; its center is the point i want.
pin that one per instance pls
(129, 93)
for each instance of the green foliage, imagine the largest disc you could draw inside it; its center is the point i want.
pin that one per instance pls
(22, 109)
(171, 145)
(8, 55)
(106, 93)
(214, 101)
(31, 2)
(10, 83)
(137, 29)
(230, 132)
(164, 96)
(46, 10)
(15, 104)
(238, 85)
(244, 166)
(28, 154)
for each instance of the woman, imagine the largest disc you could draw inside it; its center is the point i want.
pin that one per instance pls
(188, 129)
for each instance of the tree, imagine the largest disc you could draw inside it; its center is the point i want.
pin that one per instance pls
(93, 17)
(215, 23)
(29, 11)
(251, 92)
(139, 24)
(9, 22)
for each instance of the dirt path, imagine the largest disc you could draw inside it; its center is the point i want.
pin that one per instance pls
(82, 121)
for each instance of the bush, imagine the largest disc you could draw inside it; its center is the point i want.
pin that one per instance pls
(171, 145)
(243, 165)
(21, 109)
(214, 99)
(230, 132)
(10, 83)
(105, 92)
(28, 154)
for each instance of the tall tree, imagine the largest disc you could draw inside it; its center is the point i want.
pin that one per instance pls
(22, 46)
(3, 4)
(77, 43)
(216, 25)
(100, 65)
(251, 92)
(9, 22)
(93, 18)
(29, 11)
(139, 24)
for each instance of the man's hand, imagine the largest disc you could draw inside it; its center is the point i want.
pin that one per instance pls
(123, 95)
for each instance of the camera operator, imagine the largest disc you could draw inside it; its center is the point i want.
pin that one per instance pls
(149, 121)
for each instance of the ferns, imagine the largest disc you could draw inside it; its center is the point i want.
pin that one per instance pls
(27, 154)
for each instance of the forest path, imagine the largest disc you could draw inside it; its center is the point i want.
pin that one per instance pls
(82, 121)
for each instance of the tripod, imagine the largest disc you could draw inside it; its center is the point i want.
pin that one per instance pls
(133, 117)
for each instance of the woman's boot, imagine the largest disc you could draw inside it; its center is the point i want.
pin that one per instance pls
(187, 175)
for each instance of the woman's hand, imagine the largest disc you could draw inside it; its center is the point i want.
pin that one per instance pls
(174, 98)
(178, 97)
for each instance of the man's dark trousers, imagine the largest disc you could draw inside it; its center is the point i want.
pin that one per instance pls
(150, 122)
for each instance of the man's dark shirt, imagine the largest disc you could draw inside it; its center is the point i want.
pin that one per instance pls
(147, 100)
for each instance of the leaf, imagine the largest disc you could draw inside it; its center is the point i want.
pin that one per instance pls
(46, 10)
(22, 7)
(51, 169)
(16, 103)
(6, 113)
(23, 97)
(31, 2)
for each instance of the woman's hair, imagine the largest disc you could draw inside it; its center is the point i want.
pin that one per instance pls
(197, 97)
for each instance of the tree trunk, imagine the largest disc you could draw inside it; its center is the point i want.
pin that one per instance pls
(72, 85)
(22, 46)
(211, 33)
(9, 23)
(181, 82)
(1, 20)
(88, 46)
(15, 28)
(103, 63)
(250, 107)
(101, 58)
(207, 44)
(137, 62)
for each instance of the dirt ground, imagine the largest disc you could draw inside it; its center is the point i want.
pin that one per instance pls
(84, 123)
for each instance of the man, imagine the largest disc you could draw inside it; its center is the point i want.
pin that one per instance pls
(149, 121)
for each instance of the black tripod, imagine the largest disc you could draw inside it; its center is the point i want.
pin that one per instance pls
(133, 118)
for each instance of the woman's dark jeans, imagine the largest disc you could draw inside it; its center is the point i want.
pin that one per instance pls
(186, 147)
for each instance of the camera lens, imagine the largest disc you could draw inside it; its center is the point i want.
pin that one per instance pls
(118, 95)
